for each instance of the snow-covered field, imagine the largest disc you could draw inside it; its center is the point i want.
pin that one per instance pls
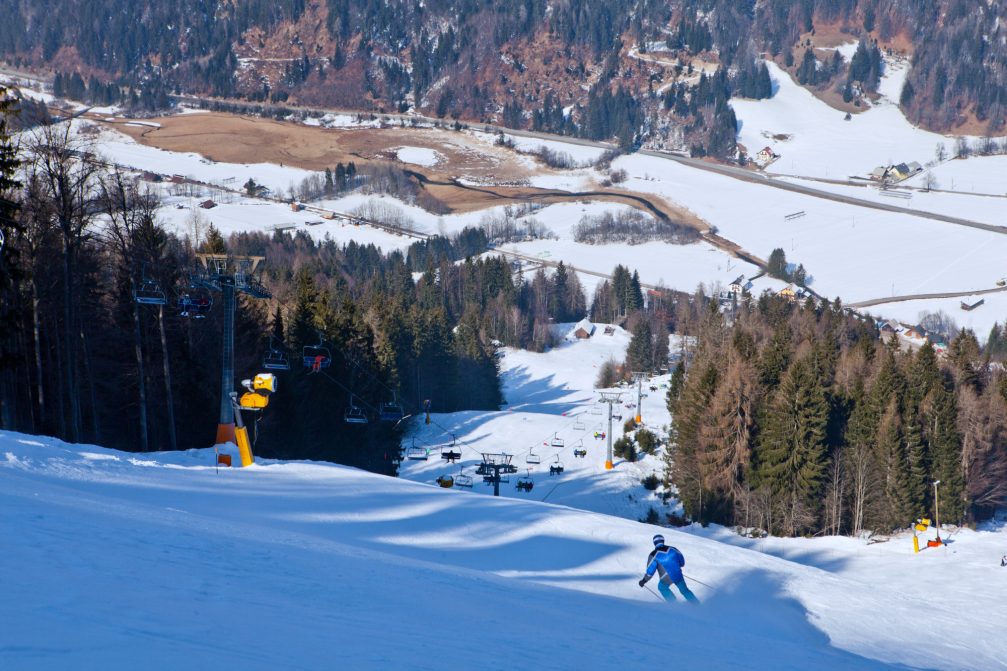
(419, 156)
(820, 142)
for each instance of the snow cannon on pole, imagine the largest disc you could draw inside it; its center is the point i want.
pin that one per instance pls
(921, 525)
(255, 399)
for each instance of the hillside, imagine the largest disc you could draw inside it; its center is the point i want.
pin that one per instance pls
(122, 558)
(630, 69)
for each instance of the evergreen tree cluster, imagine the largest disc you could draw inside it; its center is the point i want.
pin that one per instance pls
(797, 419)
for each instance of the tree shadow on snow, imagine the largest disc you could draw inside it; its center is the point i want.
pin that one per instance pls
(537, 394)
(755, 604)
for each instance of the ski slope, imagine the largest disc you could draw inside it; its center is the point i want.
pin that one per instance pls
(154, 561)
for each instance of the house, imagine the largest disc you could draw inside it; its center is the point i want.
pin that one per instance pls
(766, 155)
(899, 172)
(916, 334)
(889, 327)
(914, 167)
(972, 304)
(208, 204)
(296, 207)
(584, 329)
(788, 292)
(878, 174)
(739, 285)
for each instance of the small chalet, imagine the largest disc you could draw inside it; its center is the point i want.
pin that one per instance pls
(740, 285)
(889, 327)
(972, 304)
(584, 329)
(766, 155)
(878, 174)
(916, 334)
(208, 204)
(788, 292)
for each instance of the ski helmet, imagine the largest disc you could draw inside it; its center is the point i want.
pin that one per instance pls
(658, 540)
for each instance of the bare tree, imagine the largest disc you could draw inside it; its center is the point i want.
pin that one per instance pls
(930, 181)
(67, 172)
(940, 152)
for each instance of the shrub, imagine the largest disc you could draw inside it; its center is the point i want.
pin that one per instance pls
(650, 482)
(652, 516)
(647, 441)
(608, 375)
(625, 448)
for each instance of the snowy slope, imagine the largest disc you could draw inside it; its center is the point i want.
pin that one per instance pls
(119, 561)
(821, 143)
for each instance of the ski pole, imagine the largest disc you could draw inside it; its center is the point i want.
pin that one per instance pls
(699, 582)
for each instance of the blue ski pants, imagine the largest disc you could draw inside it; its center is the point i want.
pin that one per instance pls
(665, 590)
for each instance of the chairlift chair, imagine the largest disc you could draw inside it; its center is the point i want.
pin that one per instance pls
(149, 293)
(316, 356)
(391, 412)
(532, 458)
(579, 425)
(451, 456)
(525, 484)
(416, 453)
(462, 480)
(557, 441)
(556, 468)
(596, 410)
(275, 360)
(355, 414)
(580, 453)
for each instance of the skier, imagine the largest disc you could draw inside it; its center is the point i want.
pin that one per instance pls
(317, 365)
(1003, 560)
(668, 563)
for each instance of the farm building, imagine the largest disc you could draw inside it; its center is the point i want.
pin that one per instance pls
(208, 204)
(584, 329)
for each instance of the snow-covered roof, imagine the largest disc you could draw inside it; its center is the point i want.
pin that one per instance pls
(585, 324)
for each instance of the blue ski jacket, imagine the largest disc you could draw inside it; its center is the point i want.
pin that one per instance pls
(667, 562)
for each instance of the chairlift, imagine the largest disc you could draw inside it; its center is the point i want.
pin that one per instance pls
(579, 425)
(451, 456)
(275, 358)
(317, 356)
(532, 458)
(354, 414)
(557, 441)
(556, 468)
(462, 480)
(194, 301)
(596, 410)
(525, 483)
(149, 293)
(391, 411)
(417, 453)
(580, 453)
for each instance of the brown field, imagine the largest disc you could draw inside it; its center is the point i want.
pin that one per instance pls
(241, 139)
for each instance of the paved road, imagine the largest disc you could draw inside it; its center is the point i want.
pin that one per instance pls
(917, 297)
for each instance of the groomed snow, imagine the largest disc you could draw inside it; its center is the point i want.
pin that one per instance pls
(157, 561)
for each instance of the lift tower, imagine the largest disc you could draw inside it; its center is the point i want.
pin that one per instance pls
(229, 275)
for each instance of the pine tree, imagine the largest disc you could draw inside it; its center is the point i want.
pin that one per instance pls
(945, 453)
(792, 451)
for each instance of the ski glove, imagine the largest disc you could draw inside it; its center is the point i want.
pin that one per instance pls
(643, 581)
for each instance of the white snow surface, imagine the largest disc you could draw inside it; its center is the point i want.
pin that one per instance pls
(123, 561)
(822, 143)
(419, 156)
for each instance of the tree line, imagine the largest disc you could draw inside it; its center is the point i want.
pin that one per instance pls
(799, 419)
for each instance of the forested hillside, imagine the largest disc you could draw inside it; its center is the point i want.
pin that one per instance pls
(797, 419)
(578, 67)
